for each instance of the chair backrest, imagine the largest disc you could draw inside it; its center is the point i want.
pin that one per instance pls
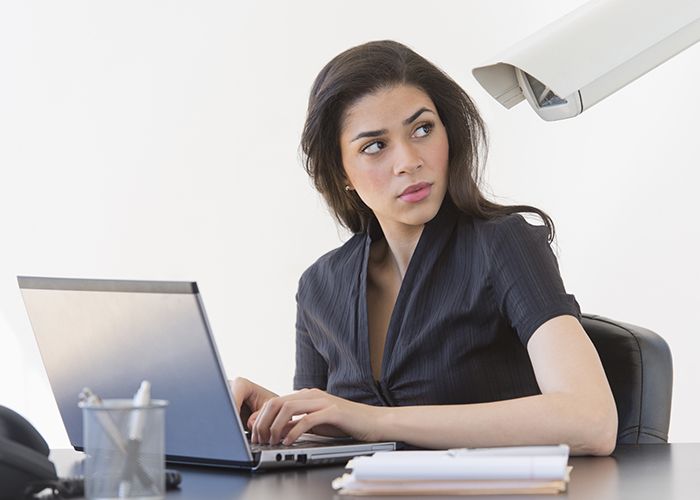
(639, 368)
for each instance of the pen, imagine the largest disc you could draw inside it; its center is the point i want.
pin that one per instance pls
(131, 465)
(91, 399)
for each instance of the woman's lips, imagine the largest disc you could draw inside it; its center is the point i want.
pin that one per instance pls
(416, 193)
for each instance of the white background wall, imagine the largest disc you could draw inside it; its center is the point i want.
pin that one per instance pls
(158, 140)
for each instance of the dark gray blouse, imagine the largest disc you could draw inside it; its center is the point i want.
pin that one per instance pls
(473, 294)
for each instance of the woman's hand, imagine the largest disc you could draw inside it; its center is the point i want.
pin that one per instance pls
(318, 411)
(250, 398)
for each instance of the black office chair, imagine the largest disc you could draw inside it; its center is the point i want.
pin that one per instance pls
(639, 368)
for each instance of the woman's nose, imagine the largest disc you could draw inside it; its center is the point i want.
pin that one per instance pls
(408, 158)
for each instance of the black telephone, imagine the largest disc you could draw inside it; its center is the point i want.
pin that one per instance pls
(24, 455)
(25, 468)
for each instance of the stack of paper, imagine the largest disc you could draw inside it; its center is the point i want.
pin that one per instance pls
(478, 471)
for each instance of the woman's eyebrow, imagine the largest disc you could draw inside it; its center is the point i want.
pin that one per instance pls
(407, 121)
(416, 115)
(371, 133)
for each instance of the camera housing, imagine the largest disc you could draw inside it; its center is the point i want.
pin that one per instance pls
(587, 55)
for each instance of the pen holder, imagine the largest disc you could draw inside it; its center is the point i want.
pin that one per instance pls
(125, 449)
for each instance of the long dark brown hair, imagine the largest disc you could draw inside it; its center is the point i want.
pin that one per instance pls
(365, 69)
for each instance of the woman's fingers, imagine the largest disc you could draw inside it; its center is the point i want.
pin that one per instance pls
(241, 388)
(320, 411)
(251, 420)
(280, 425)
(249, 398)
(280, 410)
(305, 424)
(270, 413)
(255, 436)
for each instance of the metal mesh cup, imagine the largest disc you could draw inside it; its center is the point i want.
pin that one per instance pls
(125, 449)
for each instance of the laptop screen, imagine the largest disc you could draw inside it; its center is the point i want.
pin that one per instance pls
(109, 335)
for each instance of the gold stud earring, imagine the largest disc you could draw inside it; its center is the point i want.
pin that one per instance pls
(347, 188)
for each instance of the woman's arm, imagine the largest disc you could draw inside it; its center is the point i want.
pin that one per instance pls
(576, 407)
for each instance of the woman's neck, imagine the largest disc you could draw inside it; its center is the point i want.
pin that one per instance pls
(400, 241)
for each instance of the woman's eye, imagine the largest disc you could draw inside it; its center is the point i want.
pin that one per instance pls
(373, 147)
(424, 130)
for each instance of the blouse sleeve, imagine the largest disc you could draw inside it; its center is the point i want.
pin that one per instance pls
(525, 278)
(311, 368)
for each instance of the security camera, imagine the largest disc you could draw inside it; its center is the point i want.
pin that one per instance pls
(582, 58)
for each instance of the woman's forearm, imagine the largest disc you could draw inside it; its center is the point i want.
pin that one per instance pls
(587, 427)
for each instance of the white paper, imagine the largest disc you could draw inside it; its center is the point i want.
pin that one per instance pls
(521, 463)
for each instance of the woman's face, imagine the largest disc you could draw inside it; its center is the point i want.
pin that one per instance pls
(395, 152)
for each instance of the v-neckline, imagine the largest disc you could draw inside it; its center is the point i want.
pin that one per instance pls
(374, 232)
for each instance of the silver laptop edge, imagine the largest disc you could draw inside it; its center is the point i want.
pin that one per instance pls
(222, 372)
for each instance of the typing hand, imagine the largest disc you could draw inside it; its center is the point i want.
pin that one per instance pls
(250, 398)
(317, 411)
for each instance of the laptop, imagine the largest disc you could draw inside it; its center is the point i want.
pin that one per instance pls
(109, 335)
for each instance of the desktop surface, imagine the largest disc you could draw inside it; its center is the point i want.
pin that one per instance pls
(635, 472)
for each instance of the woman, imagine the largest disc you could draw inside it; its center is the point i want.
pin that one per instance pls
(443, 322)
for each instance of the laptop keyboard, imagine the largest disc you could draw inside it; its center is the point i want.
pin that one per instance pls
(312, 441)
(299, 443)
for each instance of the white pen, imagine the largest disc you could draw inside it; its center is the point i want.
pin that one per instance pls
(89, 398)
(141, 398)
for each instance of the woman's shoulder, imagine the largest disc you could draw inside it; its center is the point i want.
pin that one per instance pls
(335, 265)
(514, 221)
(505, 230)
